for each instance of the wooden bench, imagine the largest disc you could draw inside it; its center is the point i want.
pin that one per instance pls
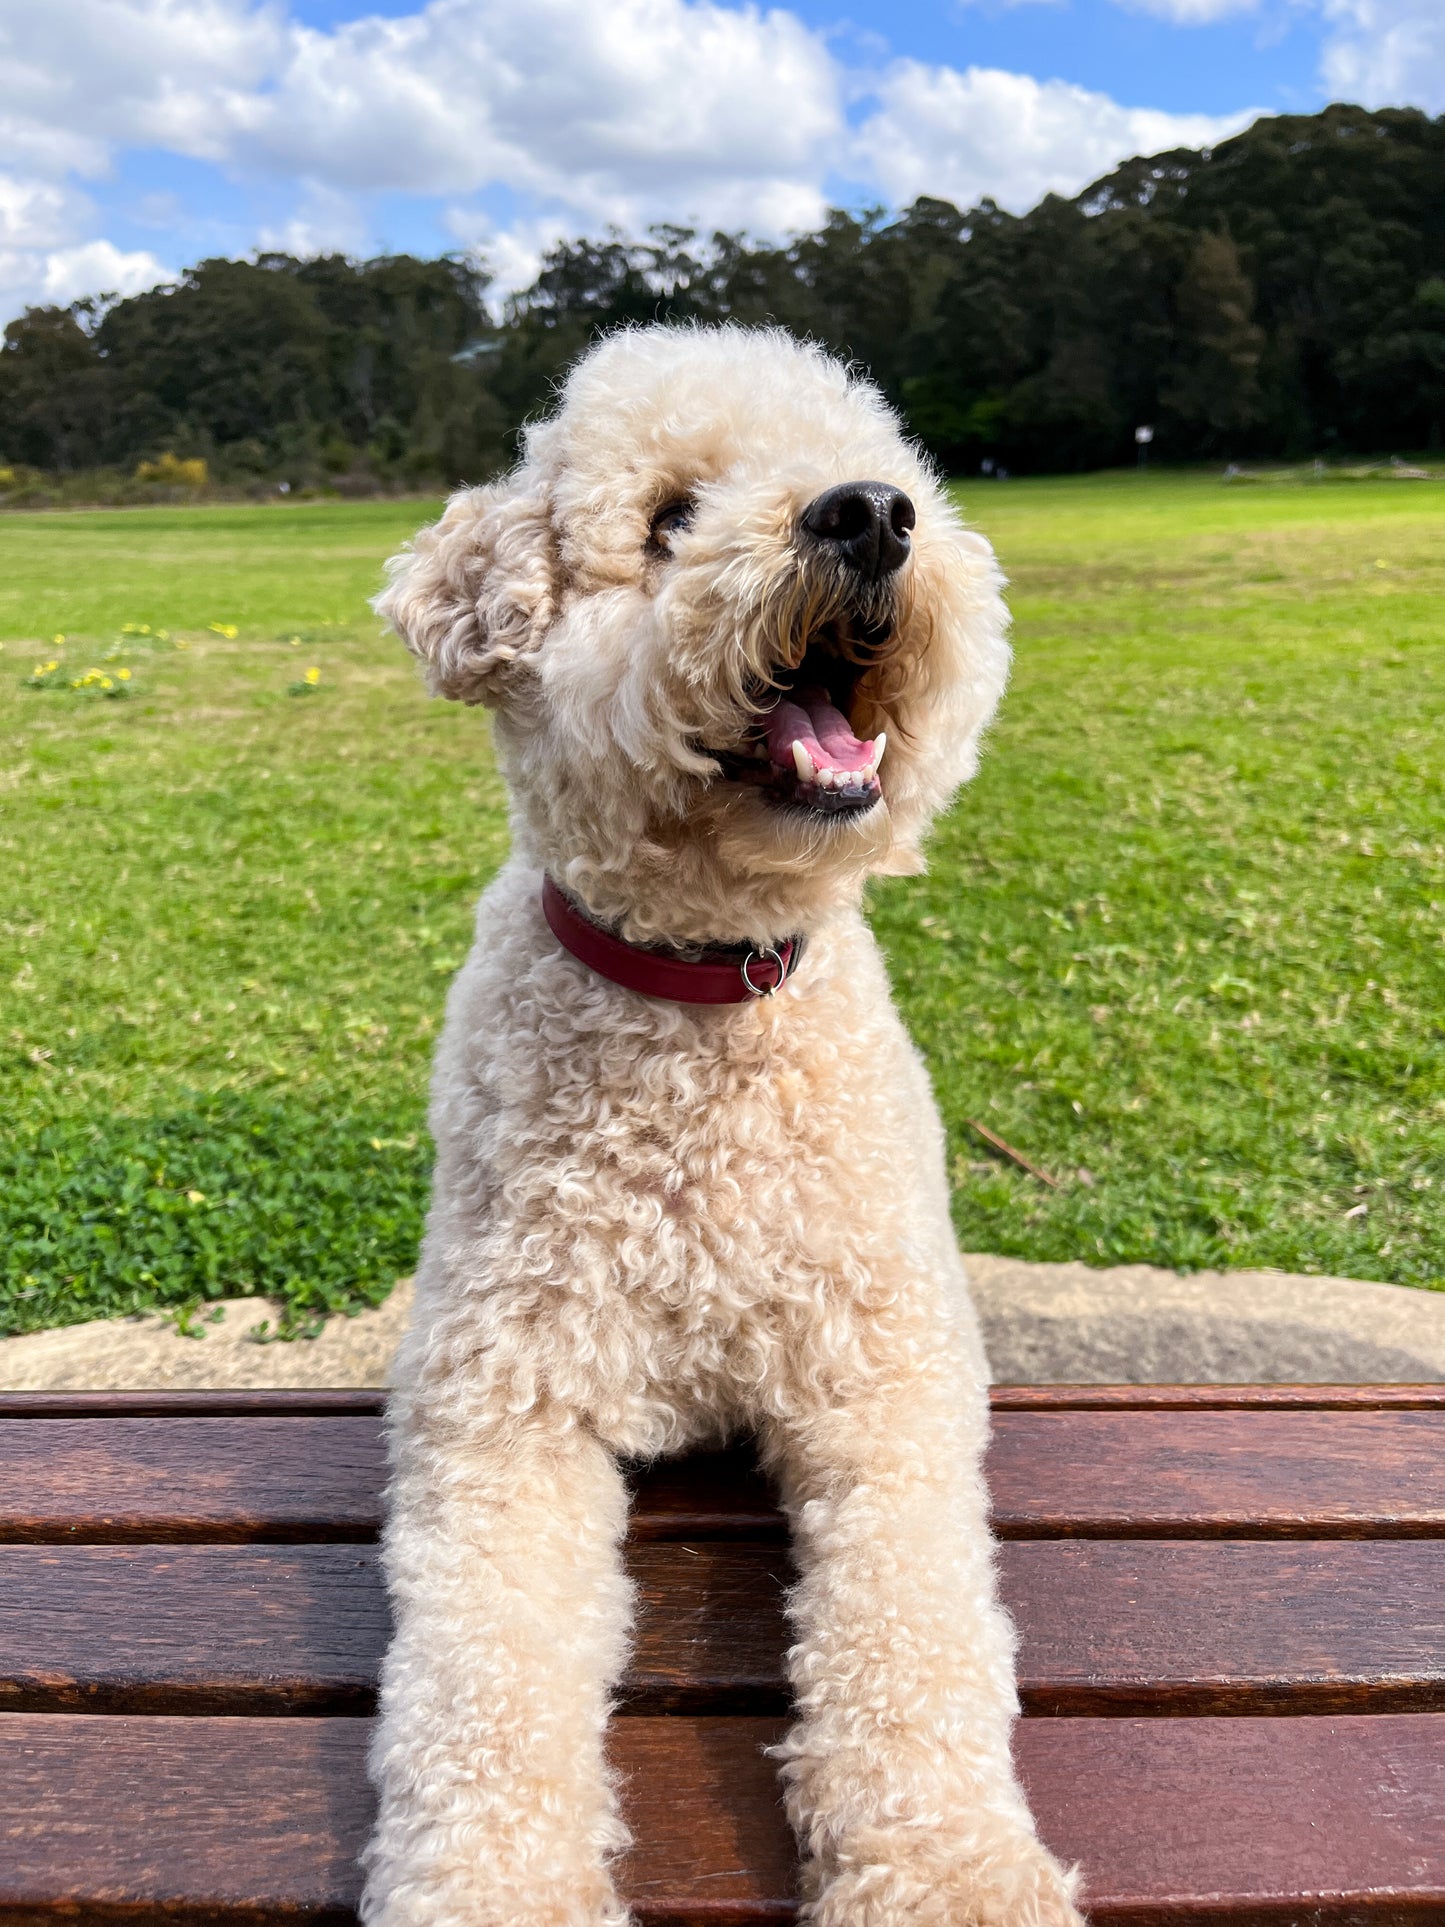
(1231, 1605)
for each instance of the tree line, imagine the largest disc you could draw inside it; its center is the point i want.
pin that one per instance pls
(1280, 295)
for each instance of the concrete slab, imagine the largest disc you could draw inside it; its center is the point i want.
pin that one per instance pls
(1043, 1324)
(148, 1354)
(1138, 1325)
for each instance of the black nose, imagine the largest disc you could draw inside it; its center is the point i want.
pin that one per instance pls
(869, 523)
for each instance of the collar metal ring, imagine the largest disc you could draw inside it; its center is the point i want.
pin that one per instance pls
(762, 956)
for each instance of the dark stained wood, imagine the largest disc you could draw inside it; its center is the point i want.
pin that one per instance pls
(1210, 1474)
(1216, 1398)
(193, 1819)
(710, 1633)
(707, 1495)
(227, 1820)
(1241, 1627)
(1168, 1473)
(1141, 1627)
(1220, 1820)
(239, 1402)
(191, 1629)
(288, 1478)
(711, 1842)
(303, 1401)
(269, 1630)
(1202, 1820)
(129, 1479)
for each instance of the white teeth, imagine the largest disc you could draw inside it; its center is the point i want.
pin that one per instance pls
(828, 778)
(866, 775)
(803, 763)
(880, 743)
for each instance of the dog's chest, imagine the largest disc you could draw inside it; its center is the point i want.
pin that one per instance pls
(684, 1159)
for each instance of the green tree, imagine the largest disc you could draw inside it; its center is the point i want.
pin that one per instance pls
(1212, 385)
(55, 395)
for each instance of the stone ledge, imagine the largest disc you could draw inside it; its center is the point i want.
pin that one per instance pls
(1043, 1324)
(148, 1354)
(1136, 1324)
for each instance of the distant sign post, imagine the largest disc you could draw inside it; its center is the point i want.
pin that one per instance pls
(1143, 437)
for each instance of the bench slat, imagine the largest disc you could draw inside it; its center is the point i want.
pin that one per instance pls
(129, 1479)
(1212, 1474)
(303, 1400)
(1237, 1627)
(1106, 1474)
(287, 1480)
(191, 1629)
(1106, 1626)
(271, 1630)
(254, 1820)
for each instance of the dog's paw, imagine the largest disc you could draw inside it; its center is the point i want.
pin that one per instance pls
(1028, 1889)
(1021, 1885)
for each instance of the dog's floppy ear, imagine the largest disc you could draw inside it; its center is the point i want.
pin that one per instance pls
(472, 595)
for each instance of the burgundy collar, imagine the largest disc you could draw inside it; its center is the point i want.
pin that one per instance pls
(723, 976)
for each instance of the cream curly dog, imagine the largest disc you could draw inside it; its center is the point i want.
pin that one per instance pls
(718, 588)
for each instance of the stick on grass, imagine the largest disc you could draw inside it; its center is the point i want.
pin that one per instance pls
(1015, 1157)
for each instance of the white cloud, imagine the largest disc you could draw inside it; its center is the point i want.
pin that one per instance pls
(589, 112)
(98, 267)
(158, 73)
(626, 112)
(327, 221)
(38, 214)
(512, 255)
(596, 104)
(1190, 13)
(962, 136)
(34, 278)
(42, 258)
(1385, 53)
(620, 111)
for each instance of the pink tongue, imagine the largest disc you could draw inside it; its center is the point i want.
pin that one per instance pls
(820, 728)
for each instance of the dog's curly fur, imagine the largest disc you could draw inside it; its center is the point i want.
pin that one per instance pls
(655, 1224)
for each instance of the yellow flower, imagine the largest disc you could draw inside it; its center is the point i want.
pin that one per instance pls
(57, 640)
(295, 642)
(195, 1197)
(226, 629)
(313, 676)
(123, 674)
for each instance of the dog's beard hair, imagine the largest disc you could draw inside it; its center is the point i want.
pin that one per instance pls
(773, 633)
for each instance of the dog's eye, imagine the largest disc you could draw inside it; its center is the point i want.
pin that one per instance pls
(669, 520)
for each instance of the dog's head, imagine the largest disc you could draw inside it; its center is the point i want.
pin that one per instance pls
(739, 646)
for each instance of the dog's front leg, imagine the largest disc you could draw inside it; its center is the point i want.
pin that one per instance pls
(512, 1611)
(899, 1778)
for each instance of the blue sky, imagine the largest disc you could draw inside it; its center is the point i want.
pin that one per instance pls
(144, 134)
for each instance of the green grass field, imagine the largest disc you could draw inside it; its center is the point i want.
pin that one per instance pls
(1181, 942)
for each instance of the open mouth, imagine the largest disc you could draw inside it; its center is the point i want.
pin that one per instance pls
(802, 751)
